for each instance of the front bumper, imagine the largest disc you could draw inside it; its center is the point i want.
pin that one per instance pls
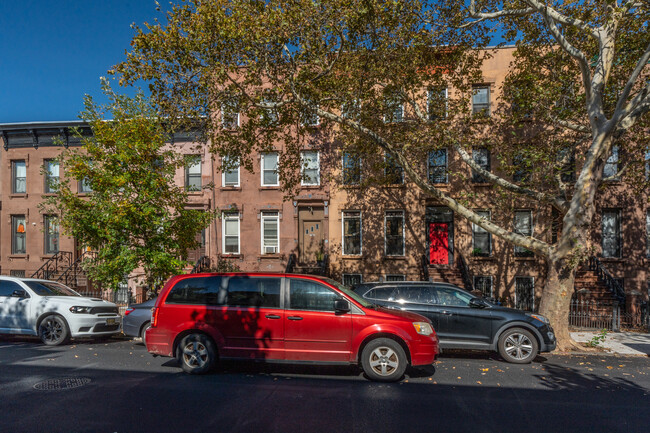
(90, 325)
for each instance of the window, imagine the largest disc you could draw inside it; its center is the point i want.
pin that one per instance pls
(193, 174)
(451, 297)
(270, 169)
(611, 165)
(522, 169)
(437, 103)
(51, 227)
(483, 283)
(230, 233)
(481, 238)
(270, 232)
(647, 233)
(394, 223)
(352, 280)
(566, 159)
(351, 110)
(198, 291)
(611, 233)
(310, 168)
(525, 293)
(481, 157)
(351, 169)
(351, 232)
(51, 169)
(556, 225)
(19, 177)
(524, 227)
(393, 171)
(309, 117)
(254, 292)
(17, 273)
(438, 166)
(481, 100)
(84, 186)
(229, 115)
(270, 115)
(394, 109)
(230, 172)
(311, 296)
(18, 234)
(396, 277)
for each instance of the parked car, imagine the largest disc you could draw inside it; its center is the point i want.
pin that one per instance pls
(199, 318)
(465, 321)
(53, 311)
(137, 319)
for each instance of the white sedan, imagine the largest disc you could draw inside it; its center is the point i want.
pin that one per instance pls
(53, 311)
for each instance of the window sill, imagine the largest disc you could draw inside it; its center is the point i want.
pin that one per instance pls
(194, 193)
(483, 258)
(18, 256)
(231, 188)
(18, 195)
(231, 256)
(276, 256)
(311, 186)
(269, 188)
(395, 258)
(352, 257)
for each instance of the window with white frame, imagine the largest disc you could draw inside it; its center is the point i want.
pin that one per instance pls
(270, 222)
(352, 280)
(51, 168)
(394, 109)
(193, 173)
(525, 293)
(437, 103)
(395, 277)
(481, 100)
(483, 283)
(394, 233)
(481, 157)
(51, 231)
(481, 238)
(611, 165)
(230, 230)
(269, 165)
(393, 171)
(351, 169)
(523, 226)
(229, 115)
(611, 232)
(351, 232)
(310, 167)
(309, 116)
(438, 166)
(351, 110)
(18, 177)
(230, 172)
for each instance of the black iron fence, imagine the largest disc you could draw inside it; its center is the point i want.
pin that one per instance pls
(610, 315)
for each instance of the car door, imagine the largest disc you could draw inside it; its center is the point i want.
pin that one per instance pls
(14, 310)
(456, 321)
(313, 330)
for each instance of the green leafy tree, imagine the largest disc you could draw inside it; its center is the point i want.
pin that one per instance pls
(363, 70)
(135, 217)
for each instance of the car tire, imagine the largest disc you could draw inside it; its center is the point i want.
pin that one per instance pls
(384, 360)
(196, 353)
(143, 331)
(53, 330)
(518, 346)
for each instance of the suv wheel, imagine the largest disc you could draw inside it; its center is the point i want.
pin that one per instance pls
(383, 360)
(53, 330)
(518, 346)
(196, 353)
(143, 332)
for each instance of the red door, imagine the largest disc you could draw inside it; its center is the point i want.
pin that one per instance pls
(439, 243)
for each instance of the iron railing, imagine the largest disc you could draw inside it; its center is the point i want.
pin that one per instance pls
(591, 314)
(465, 272)
(424, 265)
(603, 274)
(70, 276)
(60, 260)
(202, 264)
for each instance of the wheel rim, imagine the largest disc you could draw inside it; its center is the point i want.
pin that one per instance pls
(51, 330)
(195, 354)
(384, 361)
(518, 346)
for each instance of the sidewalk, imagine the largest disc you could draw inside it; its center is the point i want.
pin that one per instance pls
(620, 343)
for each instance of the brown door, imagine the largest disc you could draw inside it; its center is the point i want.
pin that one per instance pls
(310, 226)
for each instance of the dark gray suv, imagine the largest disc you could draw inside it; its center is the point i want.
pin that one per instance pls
(465, 321)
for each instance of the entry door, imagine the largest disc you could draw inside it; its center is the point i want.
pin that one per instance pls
(439, 243)
(311, 233)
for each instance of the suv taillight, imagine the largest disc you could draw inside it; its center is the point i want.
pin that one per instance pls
(154, 317)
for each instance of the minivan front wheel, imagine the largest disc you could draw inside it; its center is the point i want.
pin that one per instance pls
(196, 353)
(53, 330)
(383, 360)
(518, 346)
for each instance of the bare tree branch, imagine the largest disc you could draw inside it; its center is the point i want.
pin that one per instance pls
(570, 125)
(545, 9)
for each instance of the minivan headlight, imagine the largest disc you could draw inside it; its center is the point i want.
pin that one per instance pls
(423, 328)
(80, 310)
(539, 317)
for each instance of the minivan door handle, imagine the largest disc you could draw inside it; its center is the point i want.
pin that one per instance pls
(294, 318)
(272, 316)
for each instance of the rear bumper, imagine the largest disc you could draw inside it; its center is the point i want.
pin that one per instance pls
(159, 342)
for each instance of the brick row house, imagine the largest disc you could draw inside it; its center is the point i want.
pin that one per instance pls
(337, 225)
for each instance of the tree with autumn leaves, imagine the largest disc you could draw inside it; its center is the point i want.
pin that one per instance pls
(364, 70)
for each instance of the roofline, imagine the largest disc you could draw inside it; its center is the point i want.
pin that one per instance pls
(42, 124)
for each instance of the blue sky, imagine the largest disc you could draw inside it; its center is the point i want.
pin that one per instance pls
(53, 52)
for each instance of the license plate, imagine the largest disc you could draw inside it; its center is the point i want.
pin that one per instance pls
(110, 321)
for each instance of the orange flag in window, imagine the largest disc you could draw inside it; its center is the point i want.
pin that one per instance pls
(21, 228)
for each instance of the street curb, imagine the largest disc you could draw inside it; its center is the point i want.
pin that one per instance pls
(612, 354)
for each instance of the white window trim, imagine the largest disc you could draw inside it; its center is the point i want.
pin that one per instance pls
(403, 234)
(343, 234)
(223, 119)
(396, 121)
(263, 217)
(446, 102)
(312, 125)
(302, 168)
(223, 176)
(533, 279)
(224, 217)
(489, 218)
(262, 169)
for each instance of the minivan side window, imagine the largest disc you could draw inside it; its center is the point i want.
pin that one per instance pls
(309, 295)
(254, 292)
(197, 291)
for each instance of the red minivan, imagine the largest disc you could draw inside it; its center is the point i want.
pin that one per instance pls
(199, 318)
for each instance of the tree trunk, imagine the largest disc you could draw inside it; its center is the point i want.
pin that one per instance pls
(556, 301)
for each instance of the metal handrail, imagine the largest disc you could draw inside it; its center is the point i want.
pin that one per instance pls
(69, 276)
(465, 272)
(201, 264)
(424, 263)
(51, 266)
(604, 275)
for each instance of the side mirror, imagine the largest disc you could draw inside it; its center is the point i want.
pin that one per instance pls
(20, 293)
(477, 303)
(341, 306)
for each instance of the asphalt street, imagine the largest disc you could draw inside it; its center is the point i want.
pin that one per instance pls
(116, 386)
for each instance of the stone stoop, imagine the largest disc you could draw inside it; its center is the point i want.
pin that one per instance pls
(588, 286)
(447, 274)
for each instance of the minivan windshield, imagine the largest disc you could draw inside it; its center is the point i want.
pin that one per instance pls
(50, 288)
(348, 291)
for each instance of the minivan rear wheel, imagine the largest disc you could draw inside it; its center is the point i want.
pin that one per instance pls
(518, 346)
(196, 353)
(384, 360)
